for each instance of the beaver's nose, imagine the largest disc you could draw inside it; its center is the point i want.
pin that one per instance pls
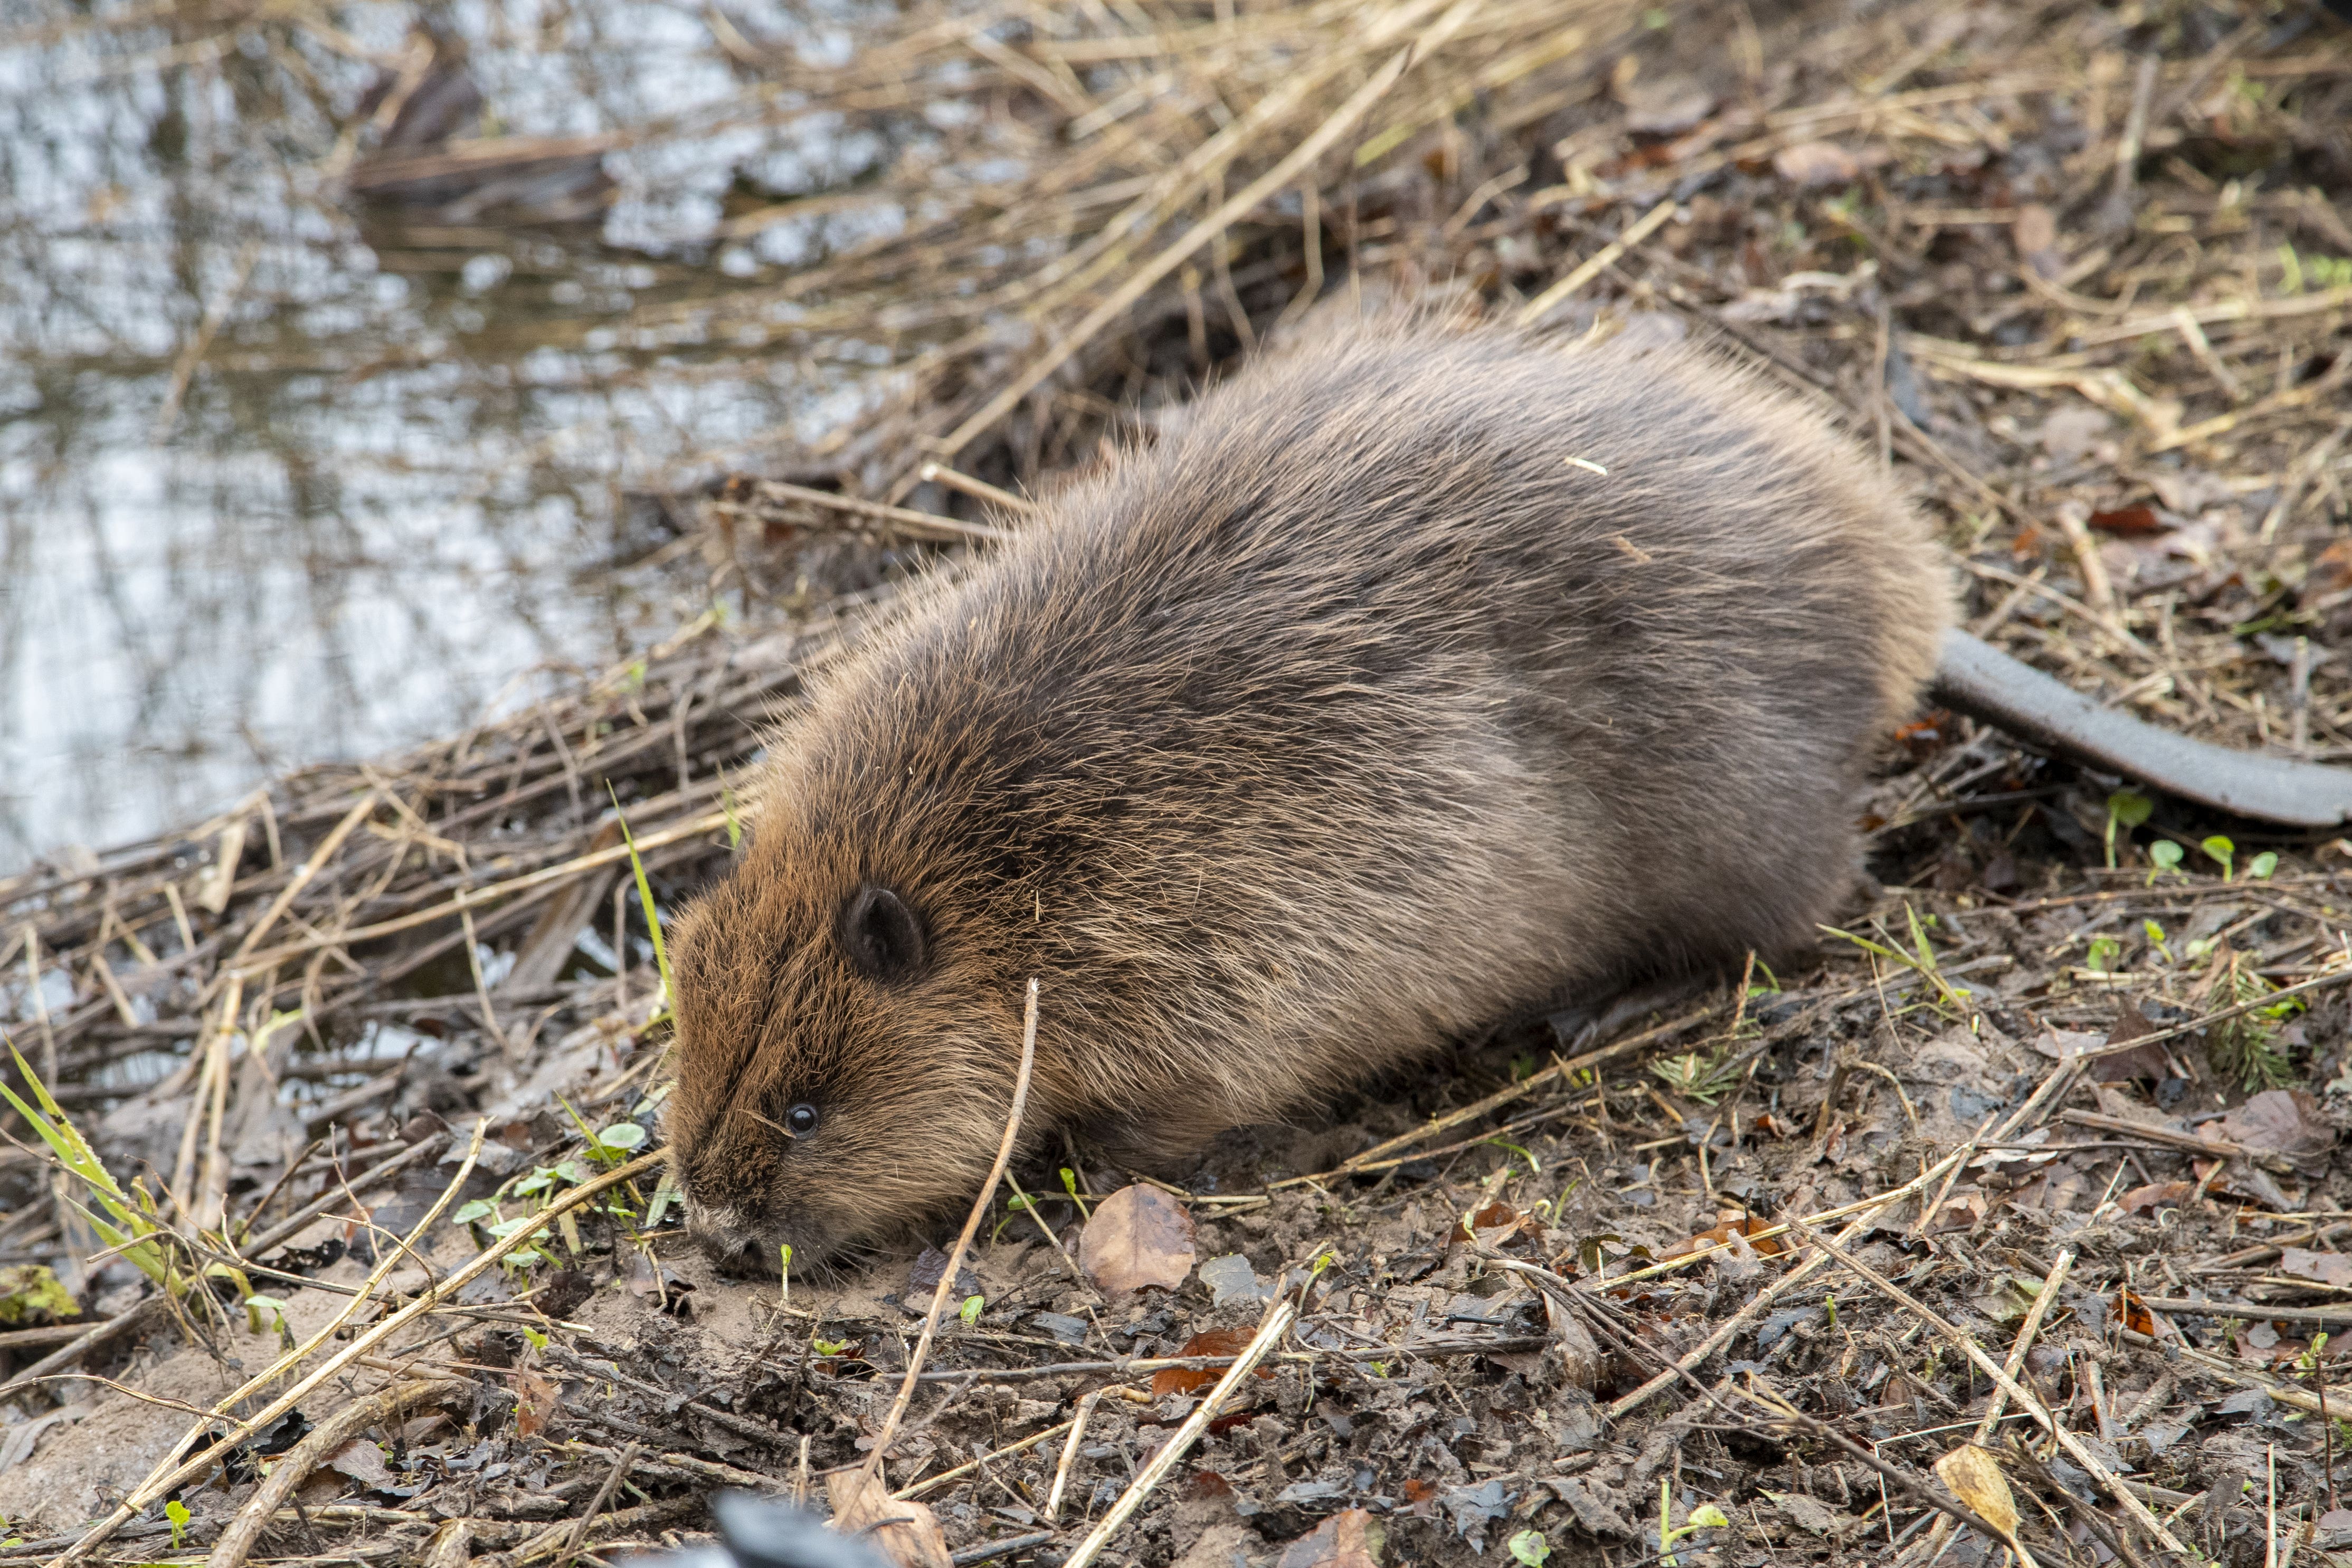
(724, 1240)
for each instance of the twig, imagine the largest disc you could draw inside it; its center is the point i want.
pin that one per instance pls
(2075, 1448)
(946, 1289)
(905, 519)
(1277, 1319)
(170, 1475)
(612, 1479)
(125, 1322)
(1599, 261)
(988, 1548)
(932, 1483)
(290, 1471)
(1501, 1097)
(1070, 1453)
(2026, 1334)
(2249, 1311)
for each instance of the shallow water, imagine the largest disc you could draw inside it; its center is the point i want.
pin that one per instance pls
(395, 488)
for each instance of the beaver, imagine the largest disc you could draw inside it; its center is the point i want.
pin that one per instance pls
(1422, 677)
(1417, 679)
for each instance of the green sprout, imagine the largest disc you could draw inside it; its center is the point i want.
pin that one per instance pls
(2246, 1047)
(2222, 850)
(2100, 956)
(784, 1269)
(644, 899)
(1705, 1076)
(2127, 808)
(176, 1512)
(1528, 1546)
(2163, 855)
(973, 1307)
(1706, 1516)
(1070, 1186)
(2262, 865)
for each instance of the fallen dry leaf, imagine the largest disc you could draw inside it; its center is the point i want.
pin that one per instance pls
(1215, 1341)
(362, 1461)
(2156, 1195)
(1811, 163)
(1349, 1539)
(1721, 1235)
(2128, 522)
(911, 1539)
(2135, 1314)
(535, 1397)
(1976, 1481)
(2283, 1121)
(1809, 1514)
(1139, 1237)
(1667, 105)
(2326, 1268)
(2034, 232)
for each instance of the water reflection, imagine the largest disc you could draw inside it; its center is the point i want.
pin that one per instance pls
(279, 480)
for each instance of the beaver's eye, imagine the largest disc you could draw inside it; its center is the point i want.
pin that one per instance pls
(802, 1120)
(880, 936)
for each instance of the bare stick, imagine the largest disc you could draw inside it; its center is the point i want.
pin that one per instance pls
(1142, 278)
(1967, 1346)
(169, 1475)
(1278, 1319)
(236, 1543)
(1070, 1453)
(970, 1224)
(978, 490)
(1593, 266)
(2026, 1334)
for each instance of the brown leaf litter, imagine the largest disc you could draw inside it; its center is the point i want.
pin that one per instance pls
(2025, 1212)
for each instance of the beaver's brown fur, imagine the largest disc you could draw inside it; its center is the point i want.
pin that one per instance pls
(1420, 678)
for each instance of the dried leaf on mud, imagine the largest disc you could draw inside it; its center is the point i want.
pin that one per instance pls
(2287, 1123)
(862, 1503)
(1139, 1237)
(1976, 1479)
(1352, 1538)
(1214, 1342)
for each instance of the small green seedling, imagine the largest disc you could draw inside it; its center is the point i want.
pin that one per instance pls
(1706, 1516)
(973, 1307)
(1534, 1165)
(176, 1512)
(829, 1346)
(1070, 1186)
(1528, 1546)
(2163, 856)
(534, 1338)
(2100, 956)
(1706, 1076)
(784, 1269)
(645, 898)
(1017, 1204)
(2127, 808)
(1829, 1305)
(2262, 865)
(2222, 850)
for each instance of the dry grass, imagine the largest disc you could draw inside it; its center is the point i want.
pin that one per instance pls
(2083, 273)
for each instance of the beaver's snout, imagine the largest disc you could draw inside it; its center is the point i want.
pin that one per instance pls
(727, 1241)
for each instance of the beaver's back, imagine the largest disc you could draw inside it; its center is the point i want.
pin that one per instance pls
(1418, 677)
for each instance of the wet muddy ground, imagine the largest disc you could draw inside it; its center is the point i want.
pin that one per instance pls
(2018, 1204)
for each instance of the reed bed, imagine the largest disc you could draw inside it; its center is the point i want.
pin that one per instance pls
(2084, 274)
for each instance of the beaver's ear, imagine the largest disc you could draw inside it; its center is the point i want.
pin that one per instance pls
(880, 936)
